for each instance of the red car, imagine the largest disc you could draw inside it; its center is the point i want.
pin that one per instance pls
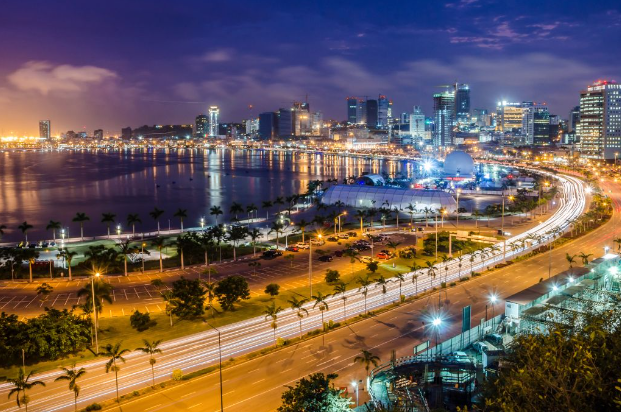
(383, 255)
(293, 249)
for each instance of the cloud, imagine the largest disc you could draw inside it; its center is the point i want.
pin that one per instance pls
(218, 56)
(45, 78)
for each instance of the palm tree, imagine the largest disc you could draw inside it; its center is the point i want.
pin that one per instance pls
(431, 269)
(216, 211)
(571, 259)
(68, 255)
(125, 250)
(114, 353)
(585, 258)
(411, 210)
(72, 375)
(277, 227)
(235, 209)
(81, 218)
(393, 245)
(352, 254)
(151, 349)
(320, 299)
(180, 244)
(279, 201)
(159, 243)
(132, 219)
(103, 291)
(210, 291)
(459, 264)
(171, 303)
(298, 307)
(367, 359)
(361, 215)
(254, 235)
(303, 224)
(53, 226)
(382, 282)
(400, 278)
(342, 289)
(476, 213)
(271, 312)
(266, 205)
(364, 283)
(181, 214)
(250, 209)
(155, 215)
(427, 211)
(108, 219)
(20, 385)
(24, 227)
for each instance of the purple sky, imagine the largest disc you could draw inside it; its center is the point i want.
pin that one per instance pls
(113, 64)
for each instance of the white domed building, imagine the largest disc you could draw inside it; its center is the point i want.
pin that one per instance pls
(458, 165)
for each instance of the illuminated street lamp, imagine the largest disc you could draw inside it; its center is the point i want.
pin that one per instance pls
(355, 385)
(118, 230)
(437, 323)
(202, 222)
(339, 218)
(493, 298)
(142, 255)
(310, 262)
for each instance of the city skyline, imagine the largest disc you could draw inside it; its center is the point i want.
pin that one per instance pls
(134, 74)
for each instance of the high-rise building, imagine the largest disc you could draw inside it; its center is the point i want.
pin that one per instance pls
(317, 123)
(98, 134)
(535, 123)
(417, 123)
(481, 117)
(214, 118)
(201, 126)
(268, 125)
(361, 112)
(462, 104)
(509, 117)
(285, 123)
(383, 108)
(44, 129)
(372, 108)
(126, 133)
(352, 110)
(301, 119)
(574, 119)
(443, 110)
(252, 126)
(600, 120)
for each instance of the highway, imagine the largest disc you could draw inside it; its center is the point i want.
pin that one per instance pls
(398, 329)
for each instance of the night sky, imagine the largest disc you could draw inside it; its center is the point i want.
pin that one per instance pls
(108, 64)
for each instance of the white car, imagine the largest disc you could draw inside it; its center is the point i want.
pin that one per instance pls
(317, 242)
(301, 245)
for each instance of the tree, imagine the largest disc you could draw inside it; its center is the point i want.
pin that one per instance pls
(235, 209)
(81, 218)
(53, 226)
(132, 219)
(171, 303)
(314, 393)
(24, 227)
(364, 283)
(2, 228)
(20, 385)
(382, 282)
(571, 259)
(155, 215)
(290, 258)
(254, 265)
(332, 276)
(341, 288)
(367, 359)
(250, 209)
(30, 256)
(108, 219)
(267, 204)
(125, 249)
(400, 278)
(585, 257)
(352, 254)
(272, 289)
(372, 266)
(72, 375)
(151, 349)
(231, 290)
(140, 321)
(303, 224)
(361, 215)
(271, 312)
(393, 245)
(277, 228)
(431, 269)
(190, 297)
(159, 243)
(235, 235)
(216, 211)
(103, 292)
(254, 234)
(114, 353)
(298, 307)
(210, 292)
(68, 255)
(321, 301)
(181, 214)
(44, 290)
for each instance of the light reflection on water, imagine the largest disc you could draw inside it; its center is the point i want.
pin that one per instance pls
(39, 186)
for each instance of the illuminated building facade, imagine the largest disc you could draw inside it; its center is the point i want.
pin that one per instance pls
(214, 118)
(462, 104)
(443, 111)
(201, 126)
(44, 129)
(600, 120)
(352, 110)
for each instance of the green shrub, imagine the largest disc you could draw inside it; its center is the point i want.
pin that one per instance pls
(443, 285)
(177, 375)
(453, 284)
(93, 407)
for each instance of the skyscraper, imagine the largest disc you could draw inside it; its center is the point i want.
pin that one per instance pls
(372, 113)
(535, 123)
(462, 104)
(600, 120)
(443, 110)
(352, 110)
(285, 124)
(574, 119)
(301, 119)
(268, 125)
(214, 117)
(201, 126)
(98, 134)
(417, 123)
(44, 129)
(509, 117)
(361, 112)
(383, 107)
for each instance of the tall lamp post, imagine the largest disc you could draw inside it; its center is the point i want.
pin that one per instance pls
(220, 361)
(339, 217)
(355, 385)
(436, 237)
(310, 263)
(437, 322)
(142, 255)
(94, 310)
(493, 299)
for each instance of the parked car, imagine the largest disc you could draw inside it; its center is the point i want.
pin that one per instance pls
(495, 339)
(338, 253)
(301, 245)
(360, 248)
(459, 357)
(293, 248)
(317, 242)
(366, 259)
(383, 255)
(481, 346)
(352, 234)
(343, 236)
(332, 239)
(326, 258)
(271, 254)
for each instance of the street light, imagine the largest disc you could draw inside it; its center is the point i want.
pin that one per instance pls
(202, 223)
(493, 299)
(339, 217)
(94, 311)
(310, 262)
(220, 361)
(355, 385)
(437, 322)
(142, 255)
(118, 230)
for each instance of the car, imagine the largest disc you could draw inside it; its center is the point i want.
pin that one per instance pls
(459, 357)
(301, 245)
(352, 234)
(481, 346)
(293, 248)
(332, 239)
(326, 258)
(271, 254)
(495, 339)
(32, 245)
(343, 236)
(366, 259)
(382, 255)
(338, 253)
(361, 248)
(317, 242)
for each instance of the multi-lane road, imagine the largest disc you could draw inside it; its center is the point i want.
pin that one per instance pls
(264, 378)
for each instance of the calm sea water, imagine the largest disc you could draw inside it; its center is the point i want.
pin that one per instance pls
(42, 186)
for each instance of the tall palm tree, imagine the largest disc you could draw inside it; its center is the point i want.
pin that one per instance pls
(411, 210)
(400, 278)
(171, 303)
(303, 224)
(155, 215)
(383, 283)
(235, 209)
(367, 359)
(254, 235)
(460, 259)
(181, 214)
(393, 245)
(427, 210)
(103, 292)
(20, 385)
(180, 243)
(251, 209)
(81, 218)
(271, 312)
(277, 227)
(125, 250)
(571, 259)
(24, 227)
(279, 201)
(364, 283)
(361, 215)
(159, 243)
(210, 291)
(446, 260)
(342, 289)
(151, 349)
(68, 255)
(585, 257)
(431, 269)
(132, 219)
(267, 204)
(108, 219)
(53, 226)
(72, 375)
(298, 307)
(320, 300)
(476, 213)
(352, 254)
(114, 353)
(216, 211)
